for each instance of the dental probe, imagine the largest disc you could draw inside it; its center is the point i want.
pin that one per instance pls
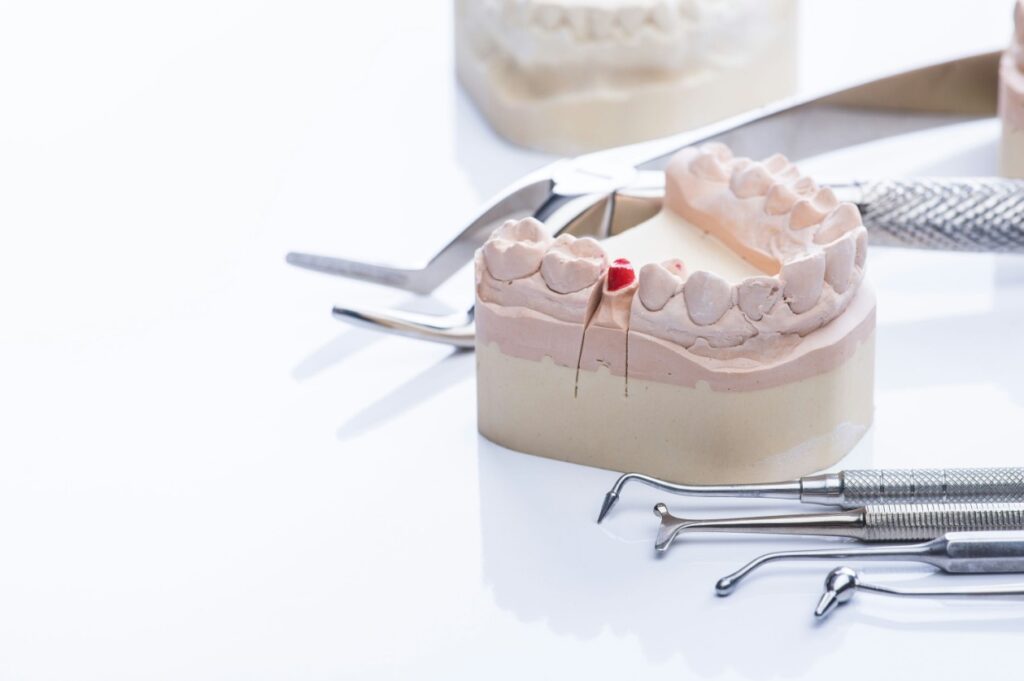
(842, 582)
(851, 489)
(881, 522)
(956, 552)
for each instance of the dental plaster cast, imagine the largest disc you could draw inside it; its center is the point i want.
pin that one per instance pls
(567, 76)
(728, 339)
(1011, 99)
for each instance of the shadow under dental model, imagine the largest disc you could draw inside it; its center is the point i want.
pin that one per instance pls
(352, 341)
(457, 366)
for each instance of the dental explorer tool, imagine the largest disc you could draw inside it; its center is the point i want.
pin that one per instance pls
(855, 488)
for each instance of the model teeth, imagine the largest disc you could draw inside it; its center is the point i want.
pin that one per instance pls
(573, 264)
(663, 17)
(844, 218)
(862, 247)
(839, 263)
(757, 296)
(805, 186)
(803, 281)
(630, 18)
(516, 249)
(708, 297)
(600, 23)
(826, 199)
(805, 214)
(718, 150)
(548, 16)
(658, 283)
(780, 200)
(578, 20)
(755, 180)
(709, 167)
(776, 163)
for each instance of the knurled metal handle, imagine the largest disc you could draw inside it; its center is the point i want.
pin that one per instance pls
(909, 522)
(939, 485)
(958, 214)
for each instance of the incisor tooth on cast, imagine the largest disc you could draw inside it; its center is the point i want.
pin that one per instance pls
(516, 249)
(803, 280)
(839, 257)
(707, 297)
(757, 296)
(842, 219)
(573, 264)
(657, 285)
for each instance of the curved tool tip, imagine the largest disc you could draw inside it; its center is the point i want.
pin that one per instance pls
(609, 500)
(724, 586)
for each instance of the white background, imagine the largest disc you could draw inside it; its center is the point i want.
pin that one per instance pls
(202, 475)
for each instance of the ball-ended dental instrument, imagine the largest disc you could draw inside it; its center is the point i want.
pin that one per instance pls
(954, 552)
(842, 582)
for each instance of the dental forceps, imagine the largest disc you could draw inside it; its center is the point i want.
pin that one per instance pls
(960, 214)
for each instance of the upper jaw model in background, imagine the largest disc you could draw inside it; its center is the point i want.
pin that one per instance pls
(568, 76)
(749, 357)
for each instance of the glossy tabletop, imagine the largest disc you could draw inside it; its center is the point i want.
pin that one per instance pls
(204, 476)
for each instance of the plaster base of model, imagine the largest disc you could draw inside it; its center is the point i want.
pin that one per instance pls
(1011, 152)
(689, 434)
(576, 122)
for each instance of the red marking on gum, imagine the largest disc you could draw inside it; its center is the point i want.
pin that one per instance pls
(620, 274)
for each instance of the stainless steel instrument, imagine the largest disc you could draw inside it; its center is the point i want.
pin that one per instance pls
(955, 552)
(882, 522)
(842, 582)
(850, 489)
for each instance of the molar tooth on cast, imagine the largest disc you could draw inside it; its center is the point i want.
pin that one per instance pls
(746, 368)
(516, 249)
(573, 264)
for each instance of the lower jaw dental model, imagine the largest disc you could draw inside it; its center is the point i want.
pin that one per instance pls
(749, 357)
